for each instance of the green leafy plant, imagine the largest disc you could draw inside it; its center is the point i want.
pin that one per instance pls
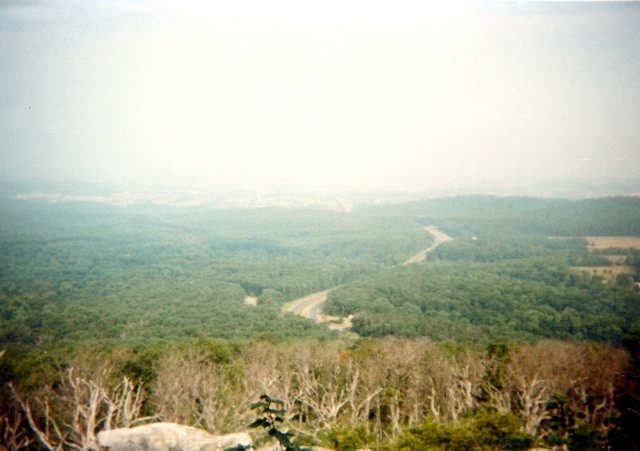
(481, 428)
(269, 417)
(342, 437)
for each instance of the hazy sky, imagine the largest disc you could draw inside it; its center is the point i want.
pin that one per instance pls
(341, 93)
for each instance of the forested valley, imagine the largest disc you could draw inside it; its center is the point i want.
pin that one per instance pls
(505, 337)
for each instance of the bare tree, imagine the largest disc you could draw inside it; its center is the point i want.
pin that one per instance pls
(81, 407)
(13, 435)
(584, 374)
(194, 391)
(321, 383)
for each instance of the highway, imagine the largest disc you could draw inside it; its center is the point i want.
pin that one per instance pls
(439, 239)
(310, 306)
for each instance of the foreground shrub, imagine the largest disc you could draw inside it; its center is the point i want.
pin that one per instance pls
(478, 429)
(345, 438)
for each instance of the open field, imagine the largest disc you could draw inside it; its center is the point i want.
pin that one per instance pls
(606, 271)
(616, 259)
(606, 242)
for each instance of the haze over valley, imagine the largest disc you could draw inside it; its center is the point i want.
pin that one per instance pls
(437, 98)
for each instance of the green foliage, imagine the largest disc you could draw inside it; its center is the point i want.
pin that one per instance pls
(476, 215)
(499, 353)
(88, 272)
(216, 351)
(567, 429)
(140, 365)
(518, 300)
(480, 429)
(345, 438)
(269, 417)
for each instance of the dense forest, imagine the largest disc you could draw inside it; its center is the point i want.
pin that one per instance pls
(502, 277)
(76, 272)
(500, 336)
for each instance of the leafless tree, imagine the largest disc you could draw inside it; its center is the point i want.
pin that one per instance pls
(69, 416)
(13, 435)
(194, 391)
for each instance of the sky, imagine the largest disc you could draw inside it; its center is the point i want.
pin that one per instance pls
(343, 94)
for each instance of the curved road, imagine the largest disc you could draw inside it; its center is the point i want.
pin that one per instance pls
(310, 306)
(439, 239)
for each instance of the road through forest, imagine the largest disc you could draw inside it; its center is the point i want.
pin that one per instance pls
(440, 238)
(310, 306)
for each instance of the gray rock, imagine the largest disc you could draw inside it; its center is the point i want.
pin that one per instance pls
(168, 437)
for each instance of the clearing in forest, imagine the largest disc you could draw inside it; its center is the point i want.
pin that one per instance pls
(607, 242)
(617, 261)
(608, 272)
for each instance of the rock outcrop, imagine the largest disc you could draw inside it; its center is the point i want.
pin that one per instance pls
(168, 437)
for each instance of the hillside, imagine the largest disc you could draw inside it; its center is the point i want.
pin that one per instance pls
(83, 271)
